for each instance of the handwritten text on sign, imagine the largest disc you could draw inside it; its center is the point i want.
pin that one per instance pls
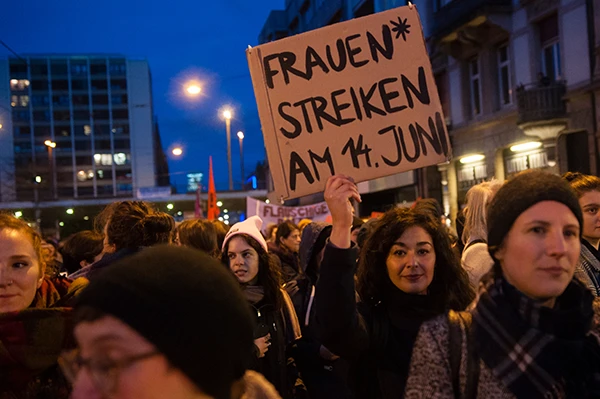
(271, 213)
(357, 97)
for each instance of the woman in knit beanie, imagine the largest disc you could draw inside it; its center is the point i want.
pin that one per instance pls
(529, 334)
(276, 325)
(587, 189)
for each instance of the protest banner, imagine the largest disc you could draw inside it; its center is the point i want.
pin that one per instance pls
(271, 213)
(357, 97)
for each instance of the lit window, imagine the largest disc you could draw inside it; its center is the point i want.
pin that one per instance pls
(19, 84)
(120, 158)
(81, 176)
(14, 100)
(87, 130)
(23, 101)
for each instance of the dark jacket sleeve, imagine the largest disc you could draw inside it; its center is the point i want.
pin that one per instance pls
(340, 326)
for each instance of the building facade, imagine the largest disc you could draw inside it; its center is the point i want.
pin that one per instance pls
(518, 81)
(77, 127)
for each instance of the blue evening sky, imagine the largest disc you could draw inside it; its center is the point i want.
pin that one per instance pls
(181, 39)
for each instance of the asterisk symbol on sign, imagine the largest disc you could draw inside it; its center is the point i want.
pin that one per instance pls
(401, 28)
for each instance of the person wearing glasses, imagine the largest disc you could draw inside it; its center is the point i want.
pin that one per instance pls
(34, 316)
(167, 322)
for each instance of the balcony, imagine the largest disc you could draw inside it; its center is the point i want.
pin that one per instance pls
(464, 25)
(542, 109)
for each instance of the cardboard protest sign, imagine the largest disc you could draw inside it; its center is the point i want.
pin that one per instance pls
(357, 97)
(271, 213)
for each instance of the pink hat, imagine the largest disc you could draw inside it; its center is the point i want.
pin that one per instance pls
(250, 226)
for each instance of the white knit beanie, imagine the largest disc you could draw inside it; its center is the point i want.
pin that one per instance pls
(250, 226)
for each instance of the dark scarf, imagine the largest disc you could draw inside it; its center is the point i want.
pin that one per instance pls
(536, 351)
(588, 268)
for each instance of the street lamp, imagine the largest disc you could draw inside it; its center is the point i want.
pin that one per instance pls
(240, 135)
(193, 89)
(177, 151)
(51, 145)
(227, 115)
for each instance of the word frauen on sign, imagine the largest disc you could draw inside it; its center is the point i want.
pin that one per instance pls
(271, 213)
(357, 97)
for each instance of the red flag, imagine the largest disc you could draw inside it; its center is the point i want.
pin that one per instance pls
(212, 211)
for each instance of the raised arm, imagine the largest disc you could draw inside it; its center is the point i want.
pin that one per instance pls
(341, 329)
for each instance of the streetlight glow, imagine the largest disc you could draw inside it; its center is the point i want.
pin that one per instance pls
(70, 211)
(18, 214)
(472, 158)
(219, 203)
(530, 145)
(170, 207)
(50, 144)
(193, 89)
(240, 135)
(227, 114)
(177, 151)
(0, 125)
(38, 179)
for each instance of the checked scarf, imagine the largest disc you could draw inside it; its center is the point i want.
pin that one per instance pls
(588, 268)
(536, 351)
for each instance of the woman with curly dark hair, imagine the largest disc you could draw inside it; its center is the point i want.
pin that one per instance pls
(277, 328)
(587, 188)
(407, 274)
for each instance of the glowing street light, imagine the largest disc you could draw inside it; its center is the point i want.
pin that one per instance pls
(50, 144)
(227, 114)
(219, 203)
(70, 211)
(38, 179)
(193, 89)
(18, 214)
(170, 207)
(177, 151)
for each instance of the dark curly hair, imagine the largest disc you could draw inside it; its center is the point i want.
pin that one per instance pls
(450, 281)
(269, 275)
(581, 183)
(200, 234)
(134, 224)
(82, 246)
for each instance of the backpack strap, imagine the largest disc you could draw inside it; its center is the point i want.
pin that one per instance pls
(456, 322)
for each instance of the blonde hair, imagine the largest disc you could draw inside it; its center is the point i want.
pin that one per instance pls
(478, 198)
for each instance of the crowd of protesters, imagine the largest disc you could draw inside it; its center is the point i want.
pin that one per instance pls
(391, 307)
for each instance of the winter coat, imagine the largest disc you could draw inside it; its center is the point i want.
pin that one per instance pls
(277, 365)
(289, 264)
(325, 375)
(476, 260)
(28, 358)
(376, 339)
(431, 374)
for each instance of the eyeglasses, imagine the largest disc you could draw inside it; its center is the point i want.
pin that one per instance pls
(103, 373)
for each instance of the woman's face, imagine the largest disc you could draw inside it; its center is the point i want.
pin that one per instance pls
(590, 205)
(243, 260)
(20, 271)
(292, 242)
(539, 254)
(411, 261)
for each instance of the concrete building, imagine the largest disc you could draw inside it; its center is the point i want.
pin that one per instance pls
(97, 109)
(518, 81)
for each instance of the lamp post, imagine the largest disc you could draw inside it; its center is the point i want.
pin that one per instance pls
(240, 135)
(227, 116)
(51, 145)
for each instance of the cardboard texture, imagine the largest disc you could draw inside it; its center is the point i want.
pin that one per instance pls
(357, 97)
(271, 213)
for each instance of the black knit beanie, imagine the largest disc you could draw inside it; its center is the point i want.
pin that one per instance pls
(186, 304)
(519, 194)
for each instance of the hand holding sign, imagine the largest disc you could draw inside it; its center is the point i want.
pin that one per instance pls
(356, 97)
(339, 190)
